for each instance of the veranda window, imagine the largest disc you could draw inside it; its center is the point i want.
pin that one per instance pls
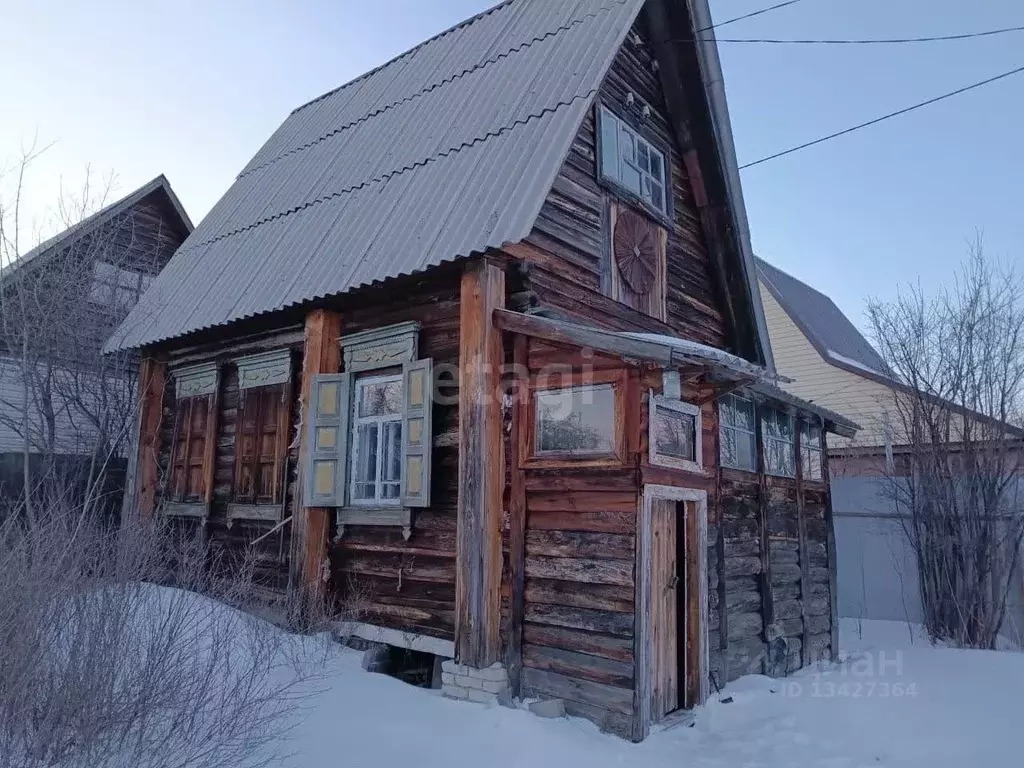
(810, 452)
(779, 450)
(737, 435)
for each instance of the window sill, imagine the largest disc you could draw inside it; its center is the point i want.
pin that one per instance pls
(571, 461)
(627, 196)
(270, 513)
(684, 465)
(388, 516)
(192, 509)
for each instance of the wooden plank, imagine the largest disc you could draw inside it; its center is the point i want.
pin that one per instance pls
(577, 665)
(583, 336)
(152, 378)
(517, 527)
(481, 471)
(611, 546)
(804, 559)
(554, 685)
(617, 624)
(601, 597)
(762, 524)
(663, 631)
(593, 643)
(608, 522)
(830, 533)
(696, 609)
(310, 525)
(585, 570)
(582, 501)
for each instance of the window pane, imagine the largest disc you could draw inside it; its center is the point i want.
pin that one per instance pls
(643, 156)
(580, 420)
(812, 464)
(627, 146)
(609, 145)
(364, 469)
(658, 197)
(380, 398)
(779, 458)
(630, 178)
(737, 412)
(674, 434)
(657, 163)
(746, 455)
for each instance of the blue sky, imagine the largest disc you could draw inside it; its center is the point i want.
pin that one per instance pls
(192, 89)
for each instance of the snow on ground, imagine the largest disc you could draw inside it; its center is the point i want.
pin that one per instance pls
(896, 701)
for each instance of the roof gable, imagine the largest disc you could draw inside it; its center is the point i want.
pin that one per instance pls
(828, 330)
(101, 218)
(446, 151)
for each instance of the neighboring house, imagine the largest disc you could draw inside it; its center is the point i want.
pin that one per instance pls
(60, 301)
(476, 341)
(830, 363)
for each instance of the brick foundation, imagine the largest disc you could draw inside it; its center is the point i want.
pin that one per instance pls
(486, 686)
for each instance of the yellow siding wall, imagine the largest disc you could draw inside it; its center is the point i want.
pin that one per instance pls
(860, 399)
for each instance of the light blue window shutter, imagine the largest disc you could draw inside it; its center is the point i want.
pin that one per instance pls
(417, 432)
(327, 416)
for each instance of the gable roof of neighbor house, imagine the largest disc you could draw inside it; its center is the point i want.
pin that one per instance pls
(447, 150)
(835, 338)
(830, 332)
(100, 218)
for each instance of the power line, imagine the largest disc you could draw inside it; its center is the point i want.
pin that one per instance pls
(868, 41)
(748, 15)
(957, 92)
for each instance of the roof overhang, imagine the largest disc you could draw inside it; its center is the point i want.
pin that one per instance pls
(725, 370)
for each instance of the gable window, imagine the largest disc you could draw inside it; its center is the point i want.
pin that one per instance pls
(675, 436)
(631, 162)
(738, 438)
(779, 449)
(575, 421)
(376, 466)
(370, 431)
(810, 451)
(116, 288)
(188, 492)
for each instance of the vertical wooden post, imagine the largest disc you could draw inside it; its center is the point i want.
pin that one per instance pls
(801, 525)
(152, 377)
(830, 542)
(517, 517)
(481, 468)
(311, 526)
(767, 597)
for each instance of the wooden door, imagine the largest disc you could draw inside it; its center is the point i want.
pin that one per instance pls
(665, 631)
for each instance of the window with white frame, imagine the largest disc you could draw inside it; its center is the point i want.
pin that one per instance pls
(376, 465)
(810, 451)
(675, 436)
(632, 162)
(779, 448)
(737, 433)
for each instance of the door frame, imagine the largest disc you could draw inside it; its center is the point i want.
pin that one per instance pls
(642, 649)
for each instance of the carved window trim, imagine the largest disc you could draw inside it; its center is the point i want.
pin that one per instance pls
(193, 385)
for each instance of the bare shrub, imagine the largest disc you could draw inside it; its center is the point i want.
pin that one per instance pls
(103, 667)
(954, 473)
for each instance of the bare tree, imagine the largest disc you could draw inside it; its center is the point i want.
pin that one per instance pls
(71, 406)
(955, 473)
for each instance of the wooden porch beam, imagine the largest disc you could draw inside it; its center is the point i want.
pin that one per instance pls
(152, 378)
(481, 467)
(311, 526)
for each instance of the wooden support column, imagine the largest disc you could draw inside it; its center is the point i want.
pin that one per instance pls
(152, 378)
(767, 598)
(805, 565)
(481, 467)
(517, 519)
(830, 539)
(311, 526)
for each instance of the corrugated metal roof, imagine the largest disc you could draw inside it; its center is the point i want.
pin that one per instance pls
(820, 320)
(447, 150)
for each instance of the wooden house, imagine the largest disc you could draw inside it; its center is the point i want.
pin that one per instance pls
(474, 343)
(59, 302)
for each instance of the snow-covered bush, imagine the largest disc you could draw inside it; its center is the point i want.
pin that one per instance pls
(103, 663)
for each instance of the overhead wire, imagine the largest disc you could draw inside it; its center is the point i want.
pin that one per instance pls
(888, 116)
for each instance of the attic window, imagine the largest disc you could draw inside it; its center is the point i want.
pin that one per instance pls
(116, 288)
(631, 162)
